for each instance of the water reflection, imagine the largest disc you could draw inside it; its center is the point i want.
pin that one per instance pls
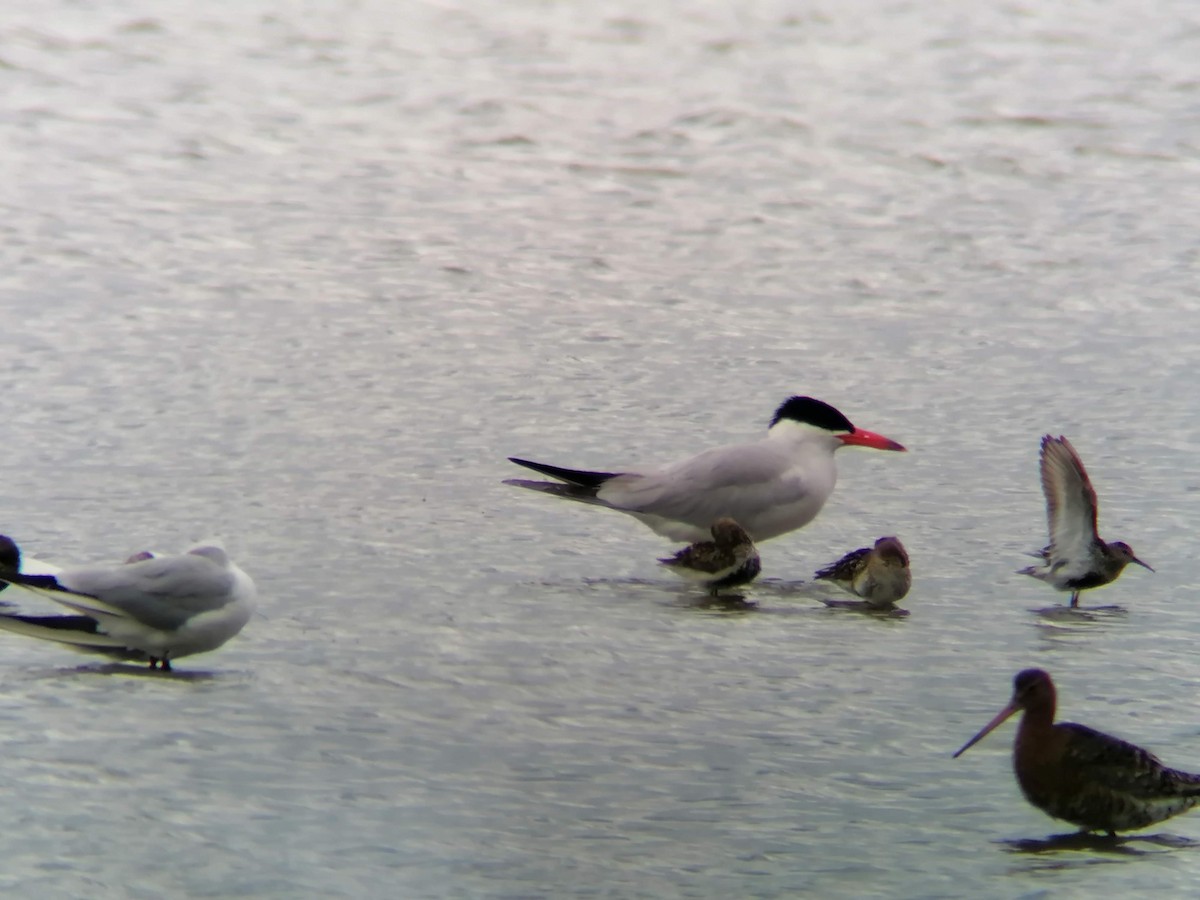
(133, 670)
(789, 593)
(1117, 845)
(728, 603)
(1070, 614)
(865, 608)
(1060, 625)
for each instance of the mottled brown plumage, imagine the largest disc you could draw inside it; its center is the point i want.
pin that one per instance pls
(879, 574)
(1084, 776)
(728, 560)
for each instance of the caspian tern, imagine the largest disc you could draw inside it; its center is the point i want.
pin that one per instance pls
(879, 574)
(770, 487)
(151, 608)
(728, 560)
(1075, 559)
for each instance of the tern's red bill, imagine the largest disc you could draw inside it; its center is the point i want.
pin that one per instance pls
(860, 437)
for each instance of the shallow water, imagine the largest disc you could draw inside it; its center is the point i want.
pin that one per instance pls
(304, 278)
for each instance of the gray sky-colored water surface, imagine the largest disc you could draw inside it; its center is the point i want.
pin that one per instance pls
(303, 275)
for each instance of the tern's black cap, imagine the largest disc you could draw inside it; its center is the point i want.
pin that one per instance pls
(812, 412)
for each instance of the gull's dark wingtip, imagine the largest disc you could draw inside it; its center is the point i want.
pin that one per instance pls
(45, 582)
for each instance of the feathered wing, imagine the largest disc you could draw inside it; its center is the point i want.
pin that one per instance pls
(770, 487)
(1070, 501)
(556, 489)
(577, 477)
(737, 483)
(77, 632)
(160, 593)
(844, 568)
(1121, 784)
(149, 608)
(704, 557)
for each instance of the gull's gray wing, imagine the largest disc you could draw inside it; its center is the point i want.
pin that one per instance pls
(163, 592)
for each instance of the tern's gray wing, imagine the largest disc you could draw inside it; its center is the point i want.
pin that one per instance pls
(1070, 501)
(162, 593)
(736, 482)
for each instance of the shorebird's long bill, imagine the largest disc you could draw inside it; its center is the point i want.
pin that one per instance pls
(1142, 564)
(860, 437)
(988, 728)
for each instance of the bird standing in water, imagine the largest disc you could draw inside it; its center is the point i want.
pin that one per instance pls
(151, 608)
(728, 560)
(1081, 775)
(770, 486)
(879, 574)
(1075, 559)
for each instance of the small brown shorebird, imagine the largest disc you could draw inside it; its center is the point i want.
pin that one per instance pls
(879, 574)
(1075, 559)
(1088, 778)
(728, 560)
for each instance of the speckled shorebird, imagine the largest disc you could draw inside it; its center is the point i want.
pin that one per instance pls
(1075, 559)
(1083, 776)
(879, 574)
(728, 560)
(770, 486)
